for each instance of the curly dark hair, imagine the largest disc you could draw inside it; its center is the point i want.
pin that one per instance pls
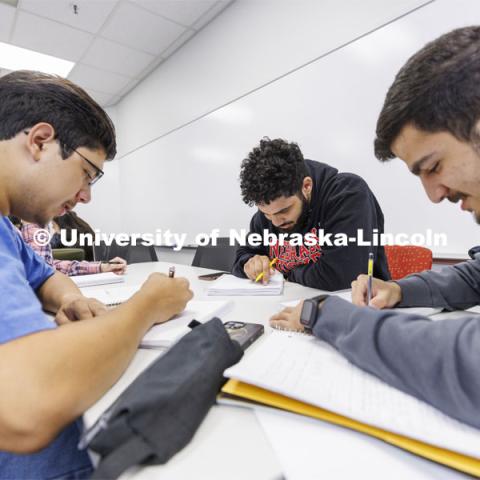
(274, 169)
(436, 90)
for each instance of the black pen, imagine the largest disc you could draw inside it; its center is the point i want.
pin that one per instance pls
(171, 272)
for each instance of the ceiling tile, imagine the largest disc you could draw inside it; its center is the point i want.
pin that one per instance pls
(98, 80)
(117, 58)
(7, 15)
(132, 25)
(178, 43)
(91, 14)
(47, 36)
(211, 14)
(185, 12)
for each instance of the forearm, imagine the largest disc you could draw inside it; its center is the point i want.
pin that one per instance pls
(75, 267)
(53, 376)
(54, 290)
(456, 287)
(434, 361)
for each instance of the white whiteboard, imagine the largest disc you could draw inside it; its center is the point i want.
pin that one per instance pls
(187, 181)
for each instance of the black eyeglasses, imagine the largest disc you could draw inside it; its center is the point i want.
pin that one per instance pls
(99, 173)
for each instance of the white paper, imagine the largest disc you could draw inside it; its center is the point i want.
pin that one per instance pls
(165, 334)
(231, 285)
(315, 450)
(97, 279)
(307, 369)
(113, 295)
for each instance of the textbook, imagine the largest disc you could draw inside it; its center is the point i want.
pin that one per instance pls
(97, 279)
(231, 285)
(301, 374)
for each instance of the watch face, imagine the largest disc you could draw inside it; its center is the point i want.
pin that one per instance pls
(307, 311)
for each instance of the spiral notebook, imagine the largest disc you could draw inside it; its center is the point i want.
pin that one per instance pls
(302, 374)
(111, 296)
(164, 334)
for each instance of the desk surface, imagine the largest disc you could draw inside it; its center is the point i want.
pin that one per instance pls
(230, 442)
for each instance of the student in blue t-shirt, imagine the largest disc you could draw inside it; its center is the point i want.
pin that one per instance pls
(54, 140)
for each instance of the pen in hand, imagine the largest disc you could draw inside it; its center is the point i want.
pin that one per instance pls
(370, 277)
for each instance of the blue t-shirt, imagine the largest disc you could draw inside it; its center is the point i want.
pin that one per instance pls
(22, 272)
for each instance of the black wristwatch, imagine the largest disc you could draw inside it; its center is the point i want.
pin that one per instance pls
(309, 314)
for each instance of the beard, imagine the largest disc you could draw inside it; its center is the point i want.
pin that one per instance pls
(302, 220)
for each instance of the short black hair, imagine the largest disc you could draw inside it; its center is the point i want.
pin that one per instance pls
(28, 98)
(438, 89)
(274, 169)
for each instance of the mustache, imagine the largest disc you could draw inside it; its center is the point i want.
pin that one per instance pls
(456, 197)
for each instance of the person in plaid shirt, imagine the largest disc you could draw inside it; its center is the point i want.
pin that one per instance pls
(68, 267)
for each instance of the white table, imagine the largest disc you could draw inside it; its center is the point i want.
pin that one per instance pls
(230, 444)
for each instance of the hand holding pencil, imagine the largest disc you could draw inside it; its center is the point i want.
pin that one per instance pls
(259, 267)
(382, 294)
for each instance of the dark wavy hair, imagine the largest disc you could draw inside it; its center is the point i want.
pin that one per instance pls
(28, 97)
(274, 169)
(438, 89)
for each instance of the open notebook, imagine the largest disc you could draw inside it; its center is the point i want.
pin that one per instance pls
(97, 279)
(231, 285)
(111, 296)
(347, 295)
(164, 334)
(302, 374)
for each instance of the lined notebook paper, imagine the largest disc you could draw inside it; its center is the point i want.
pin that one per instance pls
(303, 374)
(231, 285)
(97, 279)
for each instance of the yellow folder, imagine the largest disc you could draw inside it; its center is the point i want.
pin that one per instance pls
(455, 460)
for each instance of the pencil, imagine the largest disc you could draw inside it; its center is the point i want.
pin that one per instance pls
(260, 275)
(370, 277)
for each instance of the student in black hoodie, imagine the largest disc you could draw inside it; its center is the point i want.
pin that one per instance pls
(297, 196)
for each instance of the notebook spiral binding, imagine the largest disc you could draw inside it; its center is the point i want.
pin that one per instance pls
(290, 330)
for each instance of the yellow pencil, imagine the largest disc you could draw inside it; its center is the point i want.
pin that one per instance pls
(260, 275)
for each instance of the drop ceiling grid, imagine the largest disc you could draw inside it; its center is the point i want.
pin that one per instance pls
(115, 43)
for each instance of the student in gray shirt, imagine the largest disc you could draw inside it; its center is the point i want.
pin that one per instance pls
(431, 121)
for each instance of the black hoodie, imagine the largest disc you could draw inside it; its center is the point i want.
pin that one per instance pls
(340, 203)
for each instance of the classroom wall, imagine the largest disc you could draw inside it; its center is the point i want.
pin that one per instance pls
(249, 44)
(258, 69)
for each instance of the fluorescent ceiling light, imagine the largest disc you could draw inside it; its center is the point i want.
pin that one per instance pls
(16, 58)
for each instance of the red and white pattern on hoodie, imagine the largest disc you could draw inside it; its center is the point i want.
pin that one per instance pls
(291, 256)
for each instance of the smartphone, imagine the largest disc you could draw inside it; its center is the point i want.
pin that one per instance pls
(244, 333)
(211, 276)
